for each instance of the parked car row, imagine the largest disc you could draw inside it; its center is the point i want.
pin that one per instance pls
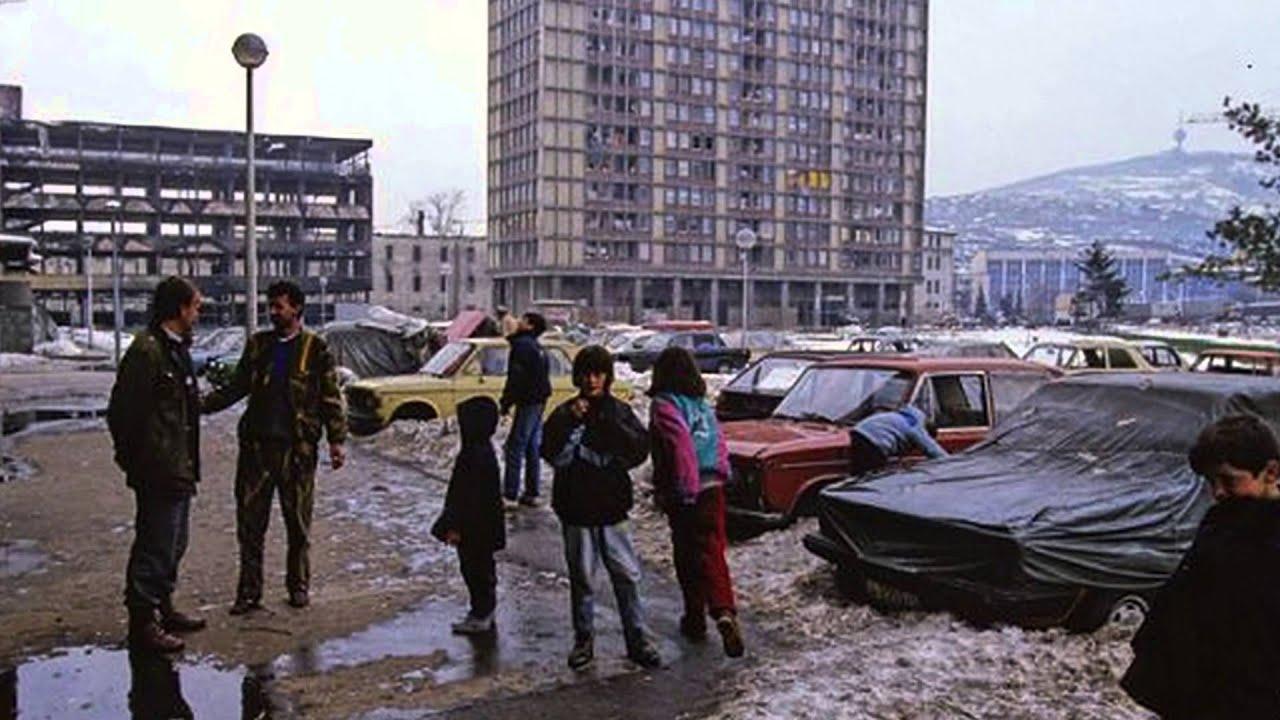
(1067, 499)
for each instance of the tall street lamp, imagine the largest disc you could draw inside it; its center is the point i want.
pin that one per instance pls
(250, 52)
(745, 239)
(88, 290)
(324, 285)
(114, 206)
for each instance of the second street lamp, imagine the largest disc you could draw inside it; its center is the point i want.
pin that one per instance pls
(745, 239)
(117, 312)
(250, 51)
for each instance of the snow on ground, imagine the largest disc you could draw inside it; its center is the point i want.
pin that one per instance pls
(836, 658)
(19, 361)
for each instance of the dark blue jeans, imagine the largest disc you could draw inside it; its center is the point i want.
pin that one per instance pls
(160, 532)
(524, 443)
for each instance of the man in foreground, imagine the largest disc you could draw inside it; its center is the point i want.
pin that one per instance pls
(154, 419)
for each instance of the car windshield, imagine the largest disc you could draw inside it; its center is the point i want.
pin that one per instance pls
(445, 362)
(658, 342)
(773, 376)
(843, 395)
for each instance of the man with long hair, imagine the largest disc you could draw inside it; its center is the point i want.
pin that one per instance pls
(154, 419)
(526, 391)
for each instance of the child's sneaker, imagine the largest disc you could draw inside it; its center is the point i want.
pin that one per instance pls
(474, 626)
(582, 654)
(645, 655)
(731, 634)
(530, 501)
(510, 505)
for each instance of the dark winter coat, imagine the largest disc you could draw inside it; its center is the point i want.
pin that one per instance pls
(1210, 647)
(528, 373)
(154, 416)
(313, 389)
(592, 458)
(473, 503)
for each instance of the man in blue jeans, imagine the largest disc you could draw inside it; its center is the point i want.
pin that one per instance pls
(527, 389)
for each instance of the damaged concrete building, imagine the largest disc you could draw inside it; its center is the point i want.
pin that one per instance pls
(171, 201)
(631, 140)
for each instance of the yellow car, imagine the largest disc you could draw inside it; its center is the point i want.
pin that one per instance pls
(1090, 354)
(459, 371)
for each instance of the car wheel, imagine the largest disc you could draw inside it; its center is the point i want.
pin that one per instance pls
(738, 528)
(807, 504)
(890, 599)
(1098, 609)
(851, 584)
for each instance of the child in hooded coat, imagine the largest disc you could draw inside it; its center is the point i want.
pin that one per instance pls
(472, 518)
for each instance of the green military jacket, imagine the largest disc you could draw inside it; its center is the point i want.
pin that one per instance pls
(313, 389)
(152, 416)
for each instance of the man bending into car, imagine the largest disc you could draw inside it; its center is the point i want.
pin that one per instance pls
(1210, 646)
(888, 434)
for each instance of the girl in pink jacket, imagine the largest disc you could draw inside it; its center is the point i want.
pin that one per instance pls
(690, 468)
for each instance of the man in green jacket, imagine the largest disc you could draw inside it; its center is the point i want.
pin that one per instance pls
(289, 377)
(154, 421)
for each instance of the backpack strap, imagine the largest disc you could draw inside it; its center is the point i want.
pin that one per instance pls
(304, 350)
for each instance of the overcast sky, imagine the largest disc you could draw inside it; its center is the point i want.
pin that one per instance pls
(1016, 88)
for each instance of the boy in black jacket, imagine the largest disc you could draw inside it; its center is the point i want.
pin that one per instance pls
(593, 441)
(1210, 647)
(472, 517)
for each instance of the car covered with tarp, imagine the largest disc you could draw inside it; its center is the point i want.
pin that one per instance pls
(1074, 511)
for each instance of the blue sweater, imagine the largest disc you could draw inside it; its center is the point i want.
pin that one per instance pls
(896, 432)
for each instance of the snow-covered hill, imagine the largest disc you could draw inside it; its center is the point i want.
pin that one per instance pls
(1170, 198)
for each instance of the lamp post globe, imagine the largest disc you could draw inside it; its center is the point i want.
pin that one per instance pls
(249, 50)
(745, 239)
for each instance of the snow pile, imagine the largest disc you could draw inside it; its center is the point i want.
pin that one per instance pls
(836, 658)
(18, 361)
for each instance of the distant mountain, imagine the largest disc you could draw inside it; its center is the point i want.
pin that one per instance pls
(1169, 199)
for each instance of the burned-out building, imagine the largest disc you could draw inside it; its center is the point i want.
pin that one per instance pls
(631, 140)
(171, 201)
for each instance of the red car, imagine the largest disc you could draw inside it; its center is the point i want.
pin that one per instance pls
(1238, 362)
(781, 462)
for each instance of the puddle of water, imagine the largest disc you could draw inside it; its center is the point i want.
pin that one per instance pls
(15, 421)
(19, 557)
(425, 631)
(88, 683)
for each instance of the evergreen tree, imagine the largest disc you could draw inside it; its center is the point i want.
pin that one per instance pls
(980, 305)
(1249, 241)
(1104, 288)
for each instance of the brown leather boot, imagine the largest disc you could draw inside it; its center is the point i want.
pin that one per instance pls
(145, 633)
(176, 621)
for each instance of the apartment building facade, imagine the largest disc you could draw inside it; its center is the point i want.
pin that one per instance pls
(935, 297)
(430, 276)
(631, 140)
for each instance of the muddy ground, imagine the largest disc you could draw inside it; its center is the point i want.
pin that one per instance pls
(376, 644)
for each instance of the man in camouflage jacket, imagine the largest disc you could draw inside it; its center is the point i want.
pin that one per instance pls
(289, 377)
